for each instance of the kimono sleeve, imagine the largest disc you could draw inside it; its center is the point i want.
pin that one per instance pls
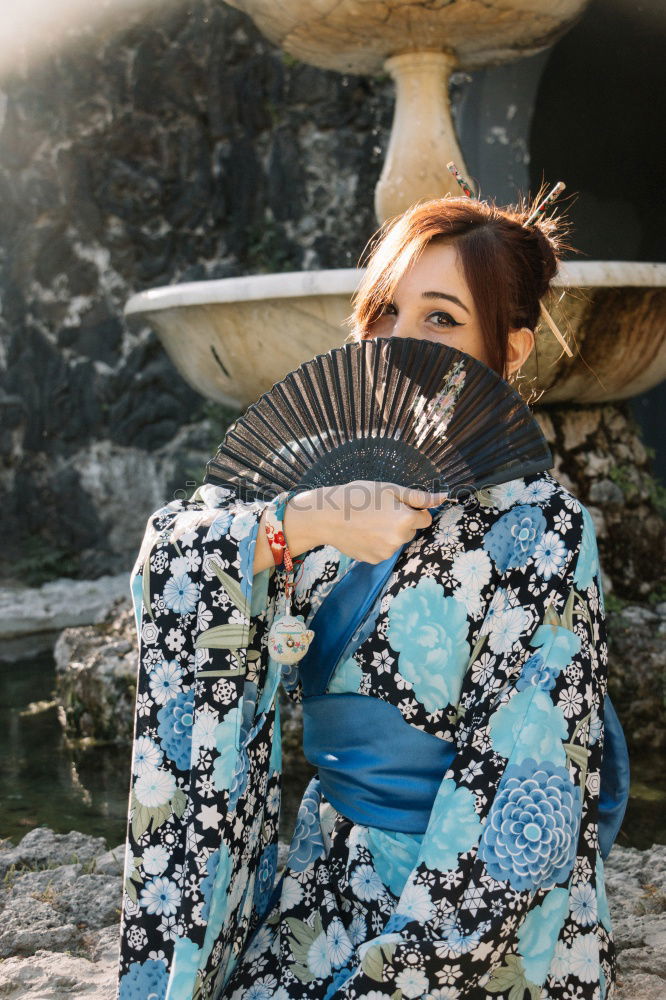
(197, 824)
(319, 570)
(518, 806)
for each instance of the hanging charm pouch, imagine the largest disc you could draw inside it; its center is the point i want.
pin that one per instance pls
(288, 638)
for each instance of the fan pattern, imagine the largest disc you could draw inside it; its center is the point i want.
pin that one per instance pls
(398, 409)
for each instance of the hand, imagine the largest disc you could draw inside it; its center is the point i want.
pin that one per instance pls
(368, 520)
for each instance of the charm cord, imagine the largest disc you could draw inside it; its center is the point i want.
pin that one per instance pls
(288, 638)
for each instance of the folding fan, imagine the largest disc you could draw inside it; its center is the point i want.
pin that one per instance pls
(396, 409)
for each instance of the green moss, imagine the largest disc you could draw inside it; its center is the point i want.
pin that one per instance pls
(43, 561)
(657, 492)
(16, 870)
(621, 475)
(274, 112)
(614, 604)
(622, 478)
(658, 595)
(10, 877)
(268, 249)
(289, 60)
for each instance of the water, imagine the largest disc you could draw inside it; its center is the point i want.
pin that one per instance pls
(43, 782)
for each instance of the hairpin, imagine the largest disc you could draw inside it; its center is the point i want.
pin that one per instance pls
(461, 180)
(534, 217)
(541, 208)
(553, 326)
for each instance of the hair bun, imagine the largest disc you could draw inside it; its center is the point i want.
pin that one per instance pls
(548, 233)
(545, 233)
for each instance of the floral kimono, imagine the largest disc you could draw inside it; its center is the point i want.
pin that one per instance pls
(489, 634)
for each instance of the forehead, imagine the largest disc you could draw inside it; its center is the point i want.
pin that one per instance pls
(437, 269)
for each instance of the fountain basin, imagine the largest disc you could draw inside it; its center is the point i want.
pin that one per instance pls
(356, 37)
(233, 338)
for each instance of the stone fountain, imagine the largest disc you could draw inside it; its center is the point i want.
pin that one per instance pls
(223, 335)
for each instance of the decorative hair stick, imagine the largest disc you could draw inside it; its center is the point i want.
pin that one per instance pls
(551, 196)
(553, 325)
(461, 180)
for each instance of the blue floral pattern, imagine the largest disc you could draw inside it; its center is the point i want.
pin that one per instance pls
(307, 843)
(587, 564)
(558, 645)
(531, 835)
(537, 673)
(490, 635)
(180, 594)
(394, 855)
(263, 886)
(539, 933)
(454, 827)
(175, 729)
(144, 979)
(226, 761)
(208, 883)
(430, 632)
(513, 539)
(529, 723)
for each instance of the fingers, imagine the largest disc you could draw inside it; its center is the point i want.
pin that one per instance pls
(413, 496)
(417, 498)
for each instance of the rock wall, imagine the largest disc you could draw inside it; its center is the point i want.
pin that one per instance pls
(175, 145)
(600, 457)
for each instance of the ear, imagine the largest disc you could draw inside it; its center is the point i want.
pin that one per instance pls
(520, 345)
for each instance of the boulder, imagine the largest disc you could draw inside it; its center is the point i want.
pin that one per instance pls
(636, 888)
(32, 617)
(41, 848)
(637, 673)
(96, 679)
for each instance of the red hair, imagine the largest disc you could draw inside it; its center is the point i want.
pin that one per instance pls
(508, 266)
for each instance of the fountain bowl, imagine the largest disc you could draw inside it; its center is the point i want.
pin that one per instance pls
(233, 338)
(357, 36)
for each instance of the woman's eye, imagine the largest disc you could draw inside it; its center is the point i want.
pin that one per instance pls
(388, 309)
(443, 319)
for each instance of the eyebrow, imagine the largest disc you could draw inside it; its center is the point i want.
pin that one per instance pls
(444, 295)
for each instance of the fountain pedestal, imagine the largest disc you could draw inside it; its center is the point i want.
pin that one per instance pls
(419, 45)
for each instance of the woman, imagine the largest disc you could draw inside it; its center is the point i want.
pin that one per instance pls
(488, 640)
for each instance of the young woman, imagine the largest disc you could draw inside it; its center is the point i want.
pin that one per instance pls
(478, 876)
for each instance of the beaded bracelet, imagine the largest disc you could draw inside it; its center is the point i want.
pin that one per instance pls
(275, 530)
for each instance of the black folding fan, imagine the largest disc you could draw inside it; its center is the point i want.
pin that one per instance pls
(397, 409)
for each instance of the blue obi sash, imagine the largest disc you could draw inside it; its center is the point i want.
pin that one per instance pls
(374, 767)
(615, 779)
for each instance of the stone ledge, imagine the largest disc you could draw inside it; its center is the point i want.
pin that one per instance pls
(31, 617)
